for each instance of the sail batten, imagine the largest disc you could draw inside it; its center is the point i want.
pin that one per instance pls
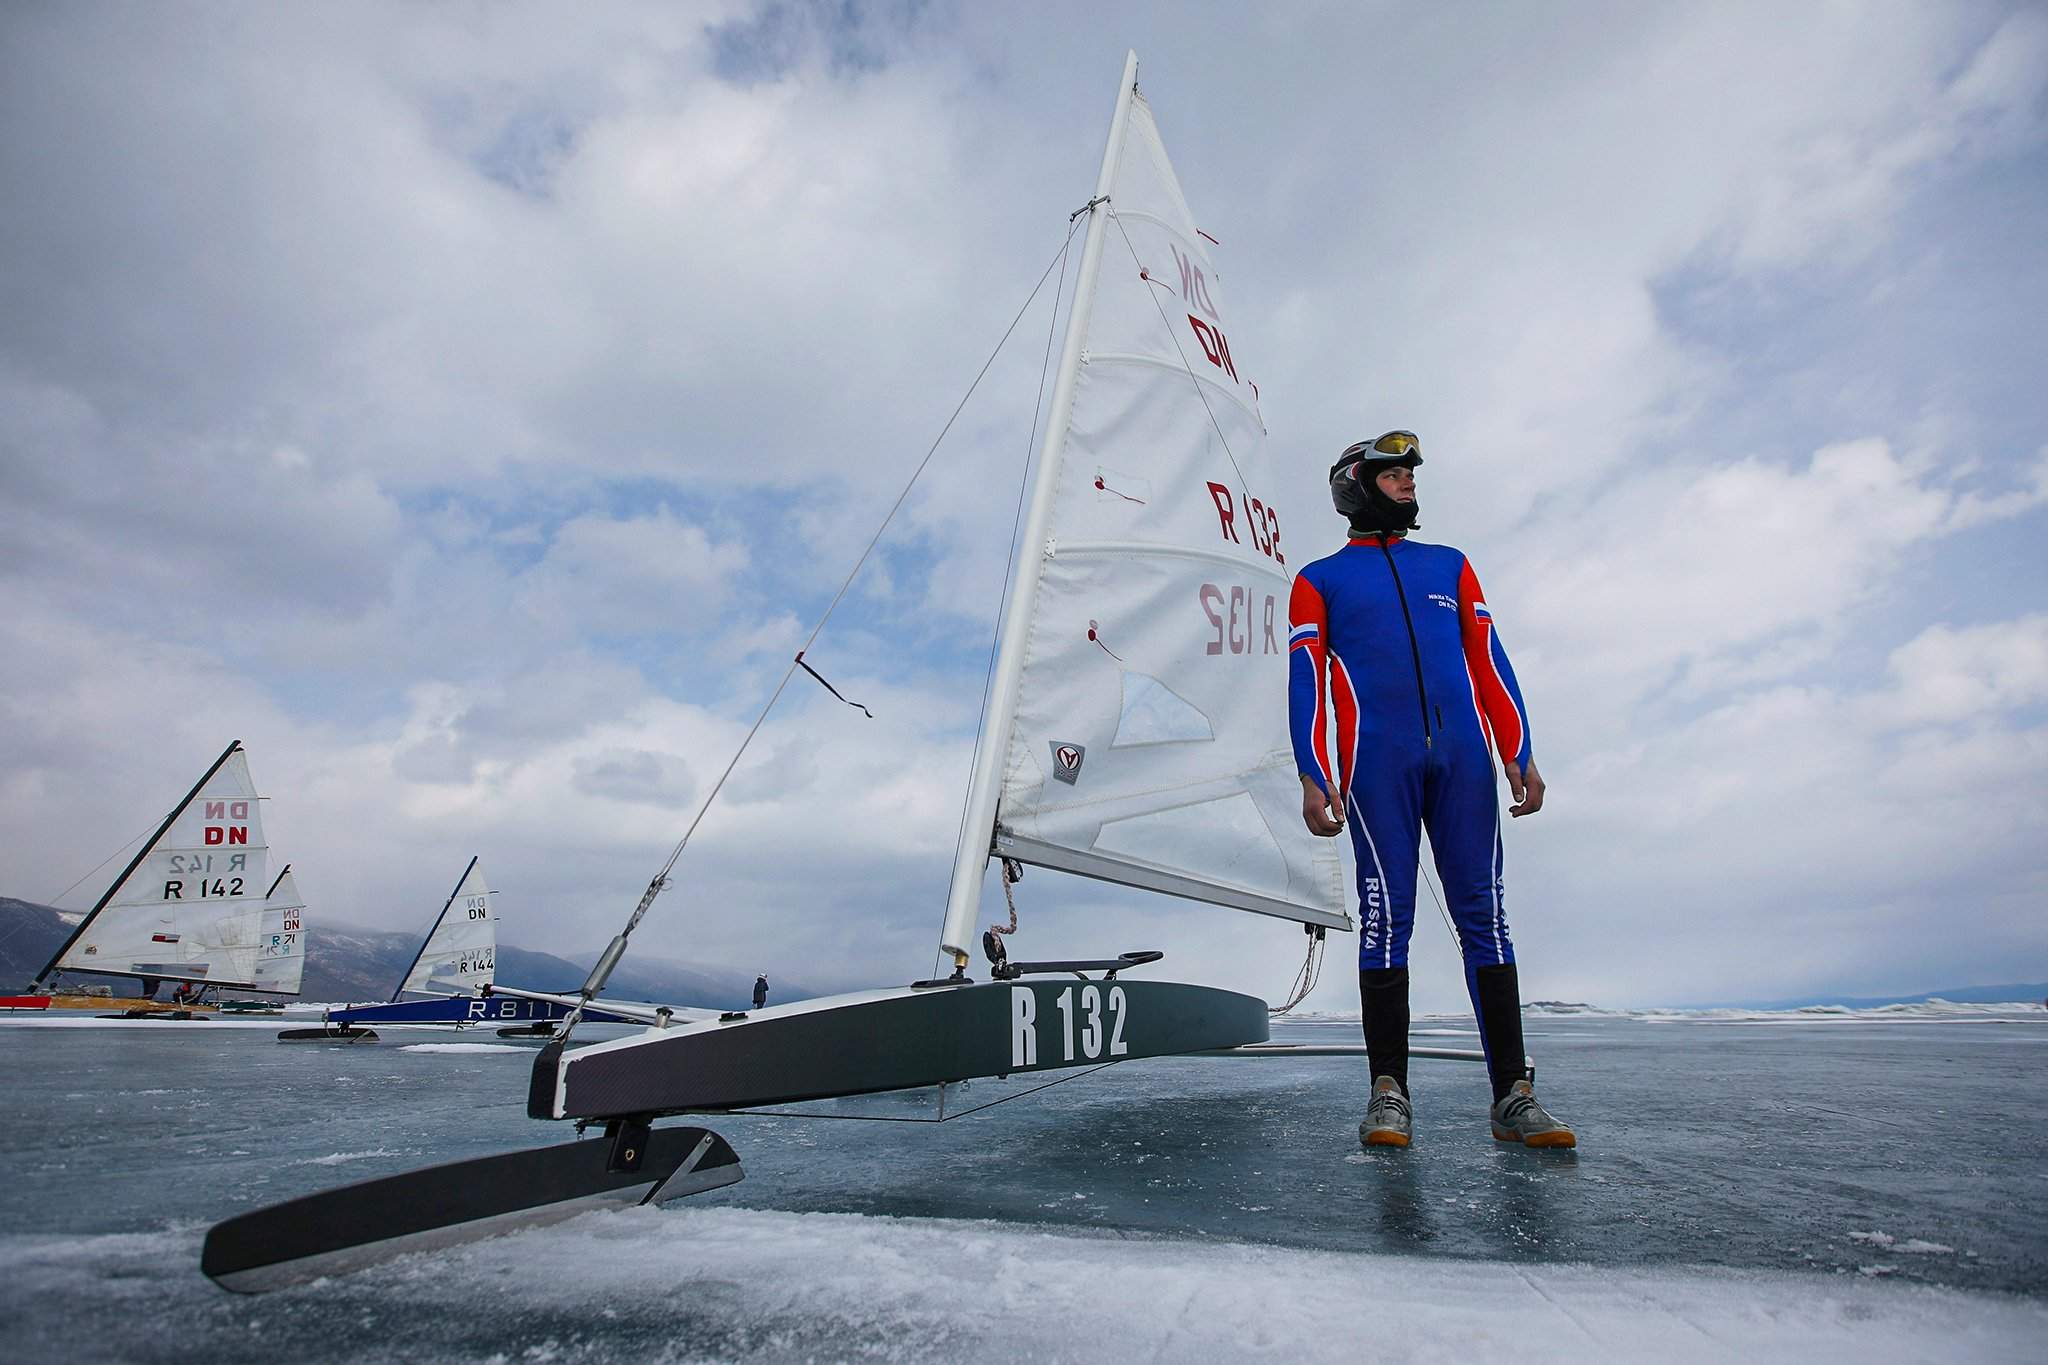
(1138, 725)
(1179, 367)
(1138, 549)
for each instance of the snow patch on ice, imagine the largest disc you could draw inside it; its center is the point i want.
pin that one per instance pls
(726, 1283)
(1912, 1246)
(343, 1158)
(846, 1285)
(464, 1047)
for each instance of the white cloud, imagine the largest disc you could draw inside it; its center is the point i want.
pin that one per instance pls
(640, 575)
(1946, 675)
(1709, 576)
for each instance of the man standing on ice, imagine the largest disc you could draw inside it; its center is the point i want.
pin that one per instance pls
(1396, 637)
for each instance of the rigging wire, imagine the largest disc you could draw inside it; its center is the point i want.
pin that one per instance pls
(1430, 882)
(139, 837)
(616, 950)
(942, 1118)
(14, 930)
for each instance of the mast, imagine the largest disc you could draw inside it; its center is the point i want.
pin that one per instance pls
(435, 928)
(984, 784)
(133, 863)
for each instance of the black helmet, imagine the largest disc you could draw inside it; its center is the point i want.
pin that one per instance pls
(1356, 494)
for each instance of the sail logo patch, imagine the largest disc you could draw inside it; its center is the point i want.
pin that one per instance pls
(163, 938)
(1066, 761)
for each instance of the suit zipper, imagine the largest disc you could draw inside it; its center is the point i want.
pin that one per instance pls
(1414, 649)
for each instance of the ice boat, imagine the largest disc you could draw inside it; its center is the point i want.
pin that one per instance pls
(196, 905)
(1135, 733)
(447, 979)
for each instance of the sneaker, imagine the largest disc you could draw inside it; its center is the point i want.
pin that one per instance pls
(1388, 1119)
(1518, 1118)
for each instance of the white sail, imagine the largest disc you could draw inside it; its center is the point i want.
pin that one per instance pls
(461, 951)
(1140, 712)
(281, 956)
(190, 907)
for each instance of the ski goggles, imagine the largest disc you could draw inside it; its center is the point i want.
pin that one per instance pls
(1401, 446)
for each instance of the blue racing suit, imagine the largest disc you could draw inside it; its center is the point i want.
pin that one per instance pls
(1396, 638)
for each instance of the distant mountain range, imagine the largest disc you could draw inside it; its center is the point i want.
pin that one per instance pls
(348, 962)
(2026, 991)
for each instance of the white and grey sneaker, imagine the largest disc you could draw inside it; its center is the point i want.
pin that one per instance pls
(1388, 1119)
(1518, 1118)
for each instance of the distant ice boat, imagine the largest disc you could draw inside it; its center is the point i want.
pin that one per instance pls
(449, 979)
(196, 906)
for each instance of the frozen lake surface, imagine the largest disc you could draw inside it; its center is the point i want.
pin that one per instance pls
(1786, 1187)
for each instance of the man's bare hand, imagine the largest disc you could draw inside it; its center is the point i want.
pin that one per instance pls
(1324, 815)
(1526, 788)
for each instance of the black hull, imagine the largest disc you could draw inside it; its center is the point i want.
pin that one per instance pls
(889, 1040)
(327, 1035)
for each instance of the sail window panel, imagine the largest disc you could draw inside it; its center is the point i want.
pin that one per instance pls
(1154, 713)
(1225, 842)
(1114, 618)
(219, 947)
(1113, 613)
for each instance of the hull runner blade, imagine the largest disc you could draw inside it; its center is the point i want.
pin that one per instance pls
(358, 1225)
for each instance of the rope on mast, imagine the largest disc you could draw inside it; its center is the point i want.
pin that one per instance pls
(1305, 979)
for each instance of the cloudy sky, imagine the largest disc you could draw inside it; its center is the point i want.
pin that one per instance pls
(470, 407)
